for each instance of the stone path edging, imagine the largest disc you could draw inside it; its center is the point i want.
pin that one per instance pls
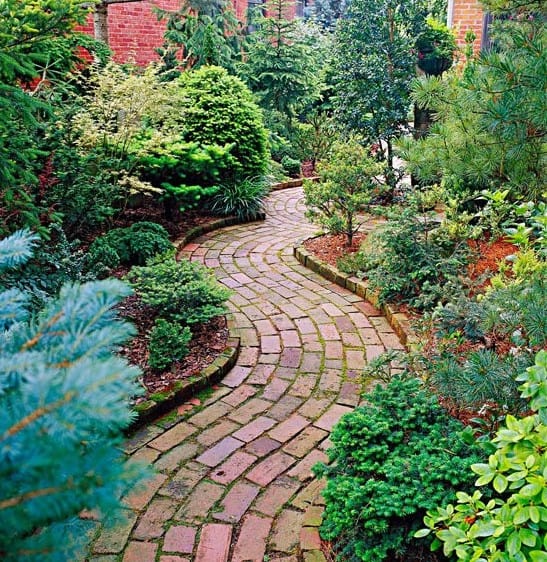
(207, 227)
(398, 320)
(185, 389)
(297, 182)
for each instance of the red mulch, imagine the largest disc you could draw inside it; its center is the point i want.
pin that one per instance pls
(331, 247)
(488, 255)
(208, 342)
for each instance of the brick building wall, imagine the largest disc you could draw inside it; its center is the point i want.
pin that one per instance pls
(466, 15)
(134, 30)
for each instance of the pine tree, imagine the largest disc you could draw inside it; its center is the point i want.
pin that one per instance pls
(491, 123)
(64, 401)
(280, 64)
(206, 32)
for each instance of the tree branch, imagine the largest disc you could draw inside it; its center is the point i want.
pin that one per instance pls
(38, 413)
(12, 502)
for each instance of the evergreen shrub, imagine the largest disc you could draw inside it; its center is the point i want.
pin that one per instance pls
(181, 291)
(390, 462)
(218, 109)
(168, 342)
(132, 245)
(64, 398)
(188, 172)
(410, 260)
(512, 525)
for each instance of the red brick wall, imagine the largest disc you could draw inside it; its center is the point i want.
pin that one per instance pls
(134, 30)
(467, 15)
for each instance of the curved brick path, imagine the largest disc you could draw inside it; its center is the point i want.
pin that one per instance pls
(234, 481)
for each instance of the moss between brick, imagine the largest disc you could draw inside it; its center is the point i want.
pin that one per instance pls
(161, 402)
(397, 320)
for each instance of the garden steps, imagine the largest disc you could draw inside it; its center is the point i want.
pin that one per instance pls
(234, 476)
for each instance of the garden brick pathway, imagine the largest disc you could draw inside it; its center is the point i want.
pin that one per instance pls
(234, 478)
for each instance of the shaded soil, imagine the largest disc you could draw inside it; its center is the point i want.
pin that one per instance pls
(331, 247)
(153, 211)
(208, 342)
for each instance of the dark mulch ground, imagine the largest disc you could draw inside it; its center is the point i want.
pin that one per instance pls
(152, 210)
(208, 342)
(331, 247)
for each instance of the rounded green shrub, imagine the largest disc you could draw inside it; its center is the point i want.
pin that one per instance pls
(218, 109)
(168, 343)
(182, 291)
(129, 246)
(391, 461)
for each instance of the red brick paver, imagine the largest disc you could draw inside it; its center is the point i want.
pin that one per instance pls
(234, 480)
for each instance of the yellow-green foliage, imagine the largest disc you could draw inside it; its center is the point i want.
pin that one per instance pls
(512, 525)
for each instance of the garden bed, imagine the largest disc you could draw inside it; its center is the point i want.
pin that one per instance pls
(331, 247)
(208, 341)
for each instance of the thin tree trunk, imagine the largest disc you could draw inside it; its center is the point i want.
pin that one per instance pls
(100, 22)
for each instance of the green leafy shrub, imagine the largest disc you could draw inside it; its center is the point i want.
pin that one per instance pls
(132, 245)
(64, 401)
(291, 166)
(187, 172)
(390, 462)
(168, 342)
(182, 291)
(85, 192)
(411, 261)
(218, 109)
(512, 526)
(243, 199)
(348, 183)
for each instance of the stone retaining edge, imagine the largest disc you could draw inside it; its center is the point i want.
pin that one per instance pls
(217, 224)
(297, 182)
(152, 409)
(398, 320)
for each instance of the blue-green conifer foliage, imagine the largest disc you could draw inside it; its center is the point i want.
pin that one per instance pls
(63, 403)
